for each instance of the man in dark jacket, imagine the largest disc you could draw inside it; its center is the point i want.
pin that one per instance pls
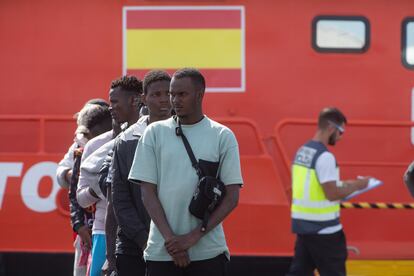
(133, 220)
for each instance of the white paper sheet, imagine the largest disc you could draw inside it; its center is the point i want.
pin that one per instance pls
(372, 183)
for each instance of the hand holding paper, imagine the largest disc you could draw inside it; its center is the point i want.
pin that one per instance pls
(372, 183)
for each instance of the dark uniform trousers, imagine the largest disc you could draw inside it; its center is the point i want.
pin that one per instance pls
(327, 253)
(211, 267)
(130, 265)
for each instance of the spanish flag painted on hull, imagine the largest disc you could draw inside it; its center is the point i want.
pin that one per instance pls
(208, 38)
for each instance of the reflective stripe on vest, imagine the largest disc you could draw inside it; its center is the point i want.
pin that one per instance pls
(308, 198)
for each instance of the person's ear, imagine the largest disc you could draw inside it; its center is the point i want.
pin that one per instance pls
(134, 100)
(332, 129)
(200, 96)
(143, 99)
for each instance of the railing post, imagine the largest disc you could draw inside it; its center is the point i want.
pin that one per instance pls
(42, 135)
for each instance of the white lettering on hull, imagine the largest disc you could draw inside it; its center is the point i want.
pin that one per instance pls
(30, 184)
(8, 170)
(30, 187)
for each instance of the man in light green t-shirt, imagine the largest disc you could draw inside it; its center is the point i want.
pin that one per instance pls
(176, 244)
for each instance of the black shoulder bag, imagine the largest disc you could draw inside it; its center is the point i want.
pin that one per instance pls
(210, 190)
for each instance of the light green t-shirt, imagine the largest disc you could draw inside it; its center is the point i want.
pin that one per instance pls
(161, 159)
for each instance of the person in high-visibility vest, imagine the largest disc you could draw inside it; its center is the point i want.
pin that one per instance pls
(316, 191)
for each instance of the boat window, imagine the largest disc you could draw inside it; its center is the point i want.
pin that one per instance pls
(340, 34)
(408, 42)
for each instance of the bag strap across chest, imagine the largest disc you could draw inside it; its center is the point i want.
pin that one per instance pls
(194, 163)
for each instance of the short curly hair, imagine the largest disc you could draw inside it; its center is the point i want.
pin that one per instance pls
(195, 75)
(129, 84)
(98, 101)
(92, 115)
(153, 76)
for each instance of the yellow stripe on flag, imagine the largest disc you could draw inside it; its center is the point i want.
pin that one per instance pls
(176, 48)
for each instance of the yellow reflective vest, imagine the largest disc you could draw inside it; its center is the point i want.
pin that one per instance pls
(311, 211)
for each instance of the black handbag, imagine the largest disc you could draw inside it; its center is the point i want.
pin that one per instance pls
(210, 190)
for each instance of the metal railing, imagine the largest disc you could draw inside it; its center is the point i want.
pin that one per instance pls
(277, 138)
(42, 120)
(247, 122)
(286, 158)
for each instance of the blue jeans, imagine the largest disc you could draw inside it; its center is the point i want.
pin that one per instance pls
(98, 254)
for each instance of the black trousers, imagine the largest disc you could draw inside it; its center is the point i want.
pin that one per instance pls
(216, 266)
(326, 253)
(130, 265)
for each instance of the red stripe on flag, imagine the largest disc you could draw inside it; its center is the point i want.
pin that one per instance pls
(177, 19)
(215, 78)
